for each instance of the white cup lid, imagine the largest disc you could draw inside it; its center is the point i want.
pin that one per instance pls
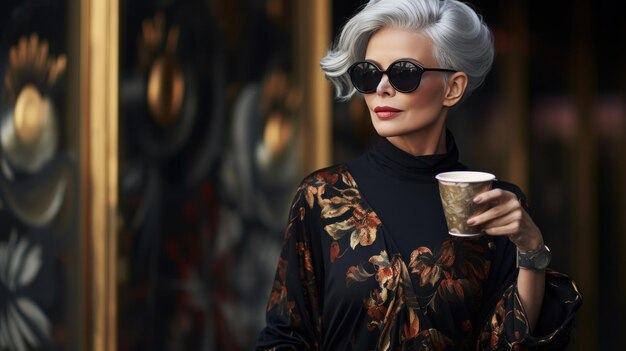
(465, 177)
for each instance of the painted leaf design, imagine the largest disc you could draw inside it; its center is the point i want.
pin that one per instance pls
(351, 194)
(412, 329)
(334, 251)
(32, 264)
(22, 326)
(375, 305)
(357, 274)
(417, 256)
(305, 255)
(35, 315)
(16, 263)
(367, 236)
(278, 295)
(498, 316)
(363, 236)
(446, 254)
(440, 340)
(339, 229)
(334, 207)
(423, 264)
(453, 290)
(495, 340)
(384, 275)
(475, 266)
(348, 180)
(282, 268)
(310, 195)
(327, 177)
(14, 334)
(380, 260)
(355, 238)
(430, 275)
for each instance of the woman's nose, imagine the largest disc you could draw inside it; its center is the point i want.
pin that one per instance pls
(384, 87)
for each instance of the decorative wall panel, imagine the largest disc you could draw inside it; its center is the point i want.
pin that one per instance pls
(210, 113)
(40, 243)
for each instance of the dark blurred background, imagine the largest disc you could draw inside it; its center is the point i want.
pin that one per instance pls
(218, 109)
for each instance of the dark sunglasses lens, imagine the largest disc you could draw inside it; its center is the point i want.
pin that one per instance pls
(405, 76)
(365, 77)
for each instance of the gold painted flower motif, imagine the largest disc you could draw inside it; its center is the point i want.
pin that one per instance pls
(29, 132)
(166, 82)
(30, 63)
(280, 100)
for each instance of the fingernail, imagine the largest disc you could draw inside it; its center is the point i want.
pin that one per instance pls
(478, 199)
(471, 221)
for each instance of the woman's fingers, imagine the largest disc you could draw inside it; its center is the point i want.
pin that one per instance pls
(507, 217)
(505, 204)
(492, 195)
(511, 217)
(507, 229)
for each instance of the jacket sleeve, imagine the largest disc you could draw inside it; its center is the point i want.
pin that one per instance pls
(505, 325)
(293, 317)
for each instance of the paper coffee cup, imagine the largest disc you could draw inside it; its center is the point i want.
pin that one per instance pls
(457, 191)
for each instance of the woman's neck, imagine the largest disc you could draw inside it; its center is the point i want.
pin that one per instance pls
(429, 142)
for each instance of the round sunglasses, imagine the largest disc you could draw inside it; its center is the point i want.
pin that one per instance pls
(404, 76)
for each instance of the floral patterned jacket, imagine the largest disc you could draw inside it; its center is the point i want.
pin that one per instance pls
(341, 283)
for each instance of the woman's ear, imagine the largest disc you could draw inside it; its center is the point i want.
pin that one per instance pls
(457, 83)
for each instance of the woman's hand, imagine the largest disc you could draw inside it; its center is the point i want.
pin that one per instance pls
(507, 217)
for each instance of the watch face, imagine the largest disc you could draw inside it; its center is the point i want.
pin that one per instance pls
(542, 260)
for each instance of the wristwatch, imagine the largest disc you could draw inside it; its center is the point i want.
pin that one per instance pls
(537, 260)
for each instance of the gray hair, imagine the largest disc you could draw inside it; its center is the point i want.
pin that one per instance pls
(461, 40)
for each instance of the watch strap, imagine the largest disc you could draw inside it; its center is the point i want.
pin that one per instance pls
(535, 260)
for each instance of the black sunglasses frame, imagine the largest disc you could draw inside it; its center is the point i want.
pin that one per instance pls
(418, 79)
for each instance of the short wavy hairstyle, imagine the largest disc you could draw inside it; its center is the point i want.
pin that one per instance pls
(461, 40)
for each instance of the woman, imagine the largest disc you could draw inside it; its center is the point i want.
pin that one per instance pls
(367, 262)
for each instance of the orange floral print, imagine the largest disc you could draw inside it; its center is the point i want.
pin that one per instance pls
(278, 296)
(452, 280)
(393, 296)
(337, 198)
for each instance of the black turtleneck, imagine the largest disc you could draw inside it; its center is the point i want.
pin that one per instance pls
(403, 191)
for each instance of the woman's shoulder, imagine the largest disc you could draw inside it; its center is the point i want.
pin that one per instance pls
(332, 175)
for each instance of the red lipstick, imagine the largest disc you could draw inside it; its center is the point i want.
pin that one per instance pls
(386, 112)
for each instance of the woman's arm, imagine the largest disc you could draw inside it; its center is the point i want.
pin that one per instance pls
(531, 287)
(508, 217)
(293, 319)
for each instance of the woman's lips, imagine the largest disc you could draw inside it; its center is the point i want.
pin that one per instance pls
(386, 112)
